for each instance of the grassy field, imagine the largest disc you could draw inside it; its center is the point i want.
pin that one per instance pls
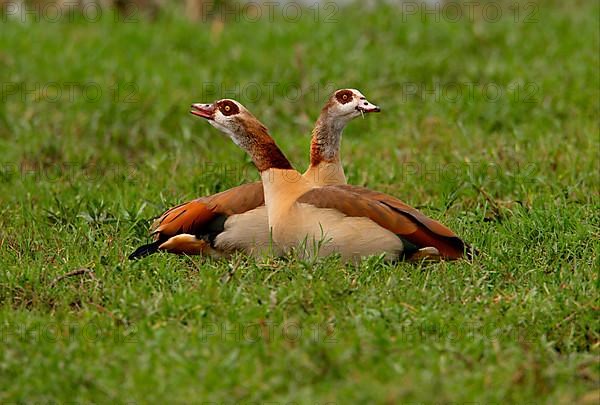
(490, 126)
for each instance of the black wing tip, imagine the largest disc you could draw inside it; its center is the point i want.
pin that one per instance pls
(469, 252)
(145, 250)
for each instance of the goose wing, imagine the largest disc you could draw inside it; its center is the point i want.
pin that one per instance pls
(390, 213)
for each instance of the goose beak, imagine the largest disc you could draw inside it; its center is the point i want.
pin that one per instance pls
(204, 110)
(367, 107)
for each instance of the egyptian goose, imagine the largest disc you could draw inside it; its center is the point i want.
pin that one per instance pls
(352, 221)
(236, 219)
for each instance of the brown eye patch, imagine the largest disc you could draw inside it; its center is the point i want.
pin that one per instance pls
(228, 107)
(343, 96)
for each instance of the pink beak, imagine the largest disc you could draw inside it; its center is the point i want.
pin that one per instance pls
(204, 110)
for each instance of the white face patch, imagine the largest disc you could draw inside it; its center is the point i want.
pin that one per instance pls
(223, 124)
(349, 104)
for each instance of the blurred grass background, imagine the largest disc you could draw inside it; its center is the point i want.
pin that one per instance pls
(489, 125)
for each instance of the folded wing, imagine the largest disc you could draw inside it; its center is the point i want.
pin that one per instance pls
(390, 213)
(190, 227)
(195, 217)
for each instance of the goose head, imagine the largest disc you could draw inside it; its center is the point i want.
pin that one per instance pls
(346, 104)
(231, 118)
(245, 130)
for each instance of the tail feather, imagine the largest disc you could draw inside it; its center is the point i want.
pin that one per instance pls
(145, 250)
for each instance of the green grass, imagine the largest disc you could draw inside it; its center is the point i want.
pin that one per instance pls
(516, 176)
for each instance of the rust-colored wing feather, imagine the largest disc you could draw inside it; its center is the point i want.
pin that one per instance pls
(390, 213)
(433, 225)
(191, 217)
(189, 227)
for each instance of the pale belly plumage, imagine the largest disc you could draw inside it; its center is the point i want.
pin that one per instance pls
(316, 231)
(248, 232)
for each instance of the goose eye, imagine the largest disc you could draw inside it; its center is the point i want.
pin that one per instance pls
(343, 97)
(228, 108)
